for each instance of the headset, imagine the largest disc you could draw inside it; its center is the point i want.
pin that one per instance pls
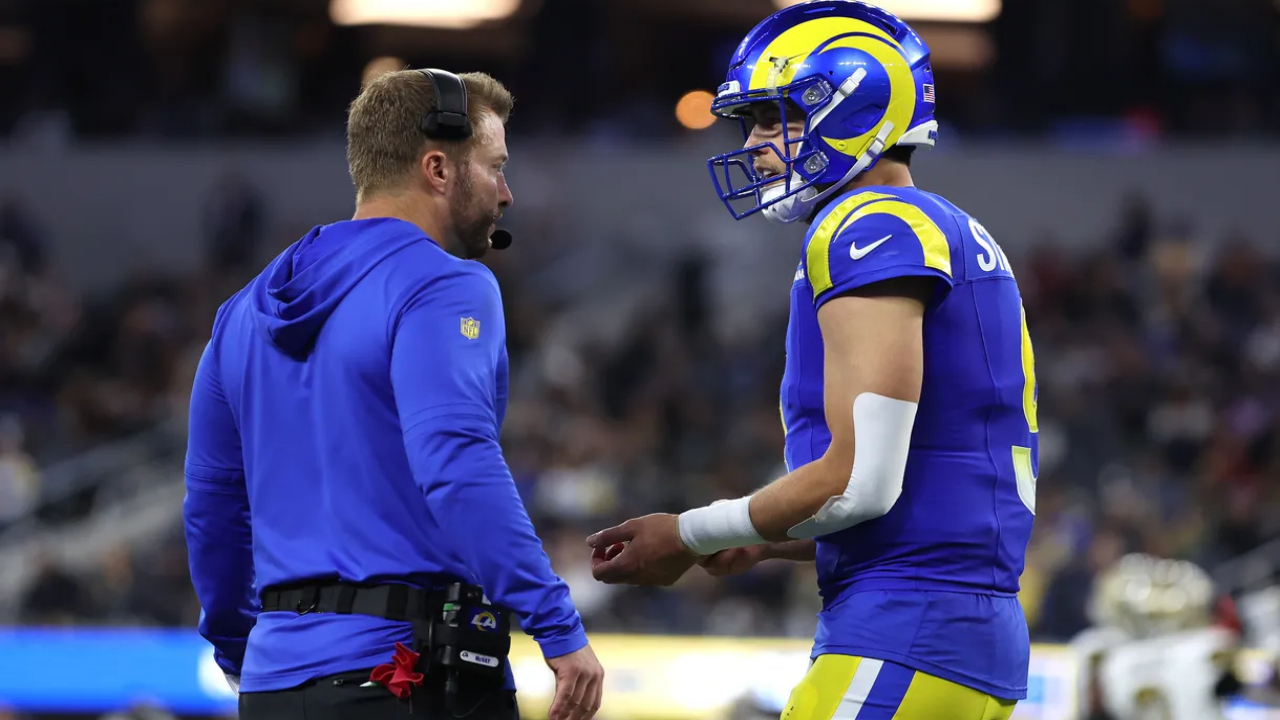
(448, 120)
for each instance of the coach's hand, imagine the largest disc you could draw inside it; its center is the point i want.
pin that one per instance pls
(734, 561)
(652, 552)
(579, 685)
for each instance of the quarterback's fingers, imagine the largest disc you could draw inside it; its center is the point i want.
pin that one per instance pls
(718, 562)
(717, 570)
(613, 535)
(606, 552)
(599, 555)
(617, 570)
(709, 561)
(725, 562)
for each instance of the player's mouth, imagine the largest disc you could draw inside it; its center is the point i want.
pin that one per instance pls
(769, 175)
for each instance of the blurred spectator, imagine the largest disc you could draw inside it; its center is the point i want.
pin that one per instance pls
(20, 237)
(19, 478)
(234, 224)
(1065, 612)
(56, 598)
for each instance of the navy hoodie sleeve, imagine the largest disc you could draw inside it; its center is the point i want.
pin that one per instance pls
(216, 520)
(448, 346)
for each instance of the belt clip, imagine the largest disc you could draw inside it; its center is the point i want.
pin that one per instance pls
(315, 602)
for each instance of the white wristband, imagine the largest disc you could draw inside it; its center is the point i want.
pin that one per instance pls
(722, 525)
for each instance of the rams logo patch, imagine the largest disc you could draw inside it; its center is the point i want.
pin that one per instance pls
(470, 328)
(485, 622)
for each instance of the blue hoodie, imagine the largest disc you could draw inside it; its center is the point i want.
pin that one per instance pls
(344, 424)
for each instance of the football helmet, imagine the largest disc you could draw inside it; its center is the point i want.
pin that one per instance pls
(860, 76)
(1147, 596)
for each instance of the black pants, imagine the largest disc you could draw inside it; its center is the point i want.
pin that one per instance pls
(340, 697)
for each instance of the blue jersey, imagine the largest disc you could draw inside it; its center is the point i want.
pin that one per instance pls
(344, 426)
(932, 584)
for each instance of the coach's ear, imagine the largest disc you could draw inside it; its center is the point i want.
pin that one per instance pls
(435, 170)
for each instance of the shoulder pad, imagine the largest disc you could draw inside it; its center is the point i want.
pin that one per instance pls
(869, 236)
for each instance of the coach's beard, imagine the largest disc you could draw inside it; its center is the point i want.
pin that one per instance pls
(471, 222)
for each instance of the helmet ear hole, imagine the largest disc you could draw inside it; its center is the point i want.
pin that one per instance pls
(863, 120)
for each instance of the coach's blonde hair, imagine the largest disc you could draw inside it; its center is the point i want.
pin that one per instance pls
(384, 126)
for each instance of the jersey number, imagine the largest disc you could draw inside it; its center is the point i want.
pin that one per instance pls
(993, 259)
(1022, 467)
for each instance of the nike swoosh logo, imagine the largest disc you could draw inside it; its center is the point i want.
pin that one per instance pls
(857, 253)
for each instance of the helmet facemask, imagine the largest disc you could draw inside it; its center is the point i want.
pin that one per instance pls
(806, 177)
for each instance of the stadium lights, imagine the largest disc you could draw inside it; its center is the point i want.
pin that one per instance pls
(15, 44)
(451, 14)
(380, 66)
(974, 11)
(693, 111)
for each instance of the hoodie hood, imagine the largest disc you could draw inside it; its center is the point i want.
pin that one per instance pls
(299, 290)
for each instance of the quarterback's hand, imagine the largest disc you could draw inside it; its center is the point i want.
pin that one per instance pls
(733, 561)
(653, 553)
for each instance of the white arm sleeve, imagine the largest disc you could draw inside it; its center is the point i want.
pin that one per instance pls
(882, 437)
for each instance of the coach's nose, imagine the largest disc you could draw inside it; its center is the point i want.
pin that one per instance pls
(504, 192)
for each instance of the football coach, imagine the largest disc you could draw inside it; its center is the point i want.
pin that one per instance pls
(355, 538)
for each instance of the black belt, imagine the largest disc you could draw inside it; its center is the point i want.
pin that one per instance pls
(392, 601)
(461, 638)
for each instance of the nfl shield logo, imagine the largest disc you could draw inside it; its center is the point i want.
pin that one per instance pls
(470, 328)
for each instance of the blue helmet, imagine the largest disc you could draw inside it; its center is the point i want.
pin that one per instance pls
(861, 77)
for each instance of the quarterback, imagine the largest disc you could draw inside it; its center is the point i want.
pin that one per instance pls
(909, 395)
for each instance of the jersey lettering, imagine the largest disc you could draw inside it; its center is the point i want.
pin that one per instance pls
(994, 256)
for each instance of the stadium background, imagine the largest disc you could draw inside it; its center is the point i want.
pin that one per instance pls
(154, 153)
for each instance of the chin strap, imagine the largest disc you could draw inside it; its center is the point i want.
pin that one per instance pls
(797, 206)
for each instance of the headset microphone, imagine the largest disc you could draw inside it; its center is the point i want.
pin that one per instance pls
(500, 240)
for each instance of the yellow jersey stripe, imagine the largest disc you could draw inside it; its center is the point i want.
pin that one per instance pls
(937, 252)
(818, 256)
(933, 242)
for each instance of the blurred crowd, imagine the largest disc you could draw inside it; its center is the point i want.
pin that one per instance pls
(1158, 364)
(77, 371)
(1159, 372)
(216, 68)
